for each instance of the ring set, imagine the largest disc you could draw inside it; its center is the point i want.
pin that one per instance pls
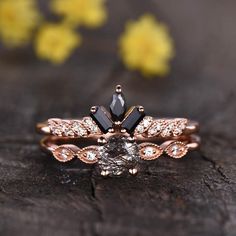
(121, 140)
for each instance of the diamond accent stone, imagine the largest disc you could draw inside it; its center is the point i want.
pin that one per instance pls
(89, 154)
(55, 127)
(174, 127)
(118, 155)
(90, 125)
(155, 128)
(78, 129)
(167, 129)
(63, 153)
(177, 149)
(66, 129)
(180, 125)
(149, 151)
(144, 125)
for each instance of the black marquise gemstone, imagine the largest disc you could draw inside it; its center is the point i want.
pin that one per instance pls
(101, 118)
(118, 106)
(132, 119)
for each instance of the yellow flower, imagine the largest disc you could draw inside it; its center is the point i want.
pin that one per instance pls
(91, 13)
(55, 42)
(147, 46)
(17, 21)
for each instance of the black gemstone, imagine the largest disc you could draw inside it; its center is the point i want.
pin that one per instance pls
(132, 119)
(118, 106)
(101, 119)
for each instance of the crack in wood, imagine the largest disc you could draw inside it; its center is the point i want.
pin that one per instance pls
(216, 167)
(96, 202)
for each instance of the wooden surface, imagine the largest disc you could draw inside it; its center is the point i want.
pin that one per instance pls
(192, 196)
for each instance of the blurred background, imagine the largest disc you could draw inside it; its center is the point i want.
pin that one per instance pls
(199, 84)
(176, 58)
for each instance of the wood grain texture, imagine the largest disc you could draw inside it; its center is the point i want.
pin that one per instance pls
(192, 196)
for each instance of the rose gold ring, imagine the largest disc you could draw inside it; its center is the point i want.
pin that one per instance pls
(120, 140)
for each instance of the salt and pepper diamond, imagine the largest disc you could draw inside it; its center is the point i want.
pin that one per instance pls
(118, 155)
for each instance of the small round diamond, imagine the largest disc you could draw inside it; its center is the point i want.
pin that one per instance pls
(55, 127)
(91, 126)
(144, 125)
(155, 129)
(79, 129)
(89, 154)
(149, 151)
(180, 125)
(177, 149)
(167, 129)
(63, 154)
(139, 129)
(66, 127)
(57, 131)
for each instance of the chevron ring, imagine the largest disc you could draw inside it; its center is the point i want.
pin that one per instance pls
(121, 140)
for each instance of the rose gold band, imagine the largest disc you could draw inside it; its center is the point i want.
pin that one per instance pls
(64, 151)
(149, 127)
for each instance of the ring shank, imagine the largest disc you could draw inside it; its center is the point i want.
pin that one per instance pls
(50, 143)
(191, 126)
